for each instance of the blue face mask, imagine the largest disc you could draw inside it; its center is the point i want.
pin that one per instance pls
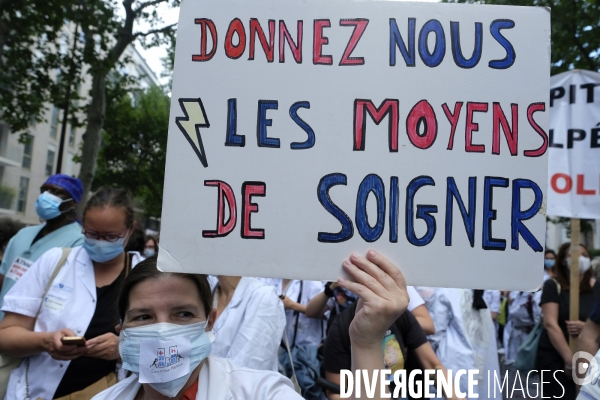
(149, 253)
(200, 343)
(47, 206)
(101, 250)
(548, 263)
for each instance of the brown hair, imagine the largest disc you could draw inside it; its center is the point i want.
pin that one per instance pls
(147, 270)
(154, 240)
(562, 273)
(111, 196)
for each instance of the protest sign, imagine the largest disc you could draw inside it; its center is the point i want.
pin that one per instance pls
(574, 148)
(303, 131)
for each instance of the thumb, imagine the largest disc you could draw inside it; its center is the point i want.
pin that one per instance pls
(67, 332)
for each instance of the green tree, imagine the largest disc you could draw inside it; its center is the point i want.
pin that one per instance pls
(33, 49)
(106, 36)
(574, 30)
(134, 145)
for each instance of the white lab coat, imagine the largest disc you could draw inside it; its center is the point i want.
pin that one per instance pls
(310, 331)
(220, 379)
(492, 299)
(415, 298)
(250, 328)
(464, 338)
(520, 321)
(70, 303)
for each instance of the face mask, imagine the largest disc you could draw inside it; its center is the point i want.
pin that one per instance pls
(149, 252)
(101, 250)
(584, 264)
(548, 263)
(47, 206)
(164, 355)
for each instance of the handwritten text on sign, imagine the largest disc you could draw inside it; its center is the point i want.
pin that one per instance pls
(331, 127)
(574, 145)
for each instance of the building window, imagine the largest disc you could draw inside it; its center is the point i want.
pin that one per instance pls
(54, 123)
(50, 161)
(72, 137)
(23, 188)
(27, 152)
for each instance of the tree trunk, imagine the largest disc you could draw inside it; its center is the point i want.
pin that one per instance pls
(93, 135)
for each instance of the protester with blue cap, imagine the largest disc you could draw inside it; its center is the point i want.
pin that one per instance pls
(56, 206)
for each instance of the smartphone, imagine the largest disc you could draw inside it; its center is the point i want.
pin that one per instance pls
(73, 340)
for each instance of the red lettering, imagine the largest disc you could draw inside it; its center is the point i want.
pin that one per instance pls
(319, 40)
(203, 56)
(473, 127)
(581, 186)
(453, 119)
(422, 114)
(388, 106)
(232, 51)
(533, 108)
(568, 183)
(359, 28)
(512, 135)
(296, 49)
(249, 190)
(255, 29)
(224, 228)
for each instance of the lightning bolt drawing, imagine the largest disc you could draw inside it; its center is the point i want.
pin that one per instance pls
(194, 119)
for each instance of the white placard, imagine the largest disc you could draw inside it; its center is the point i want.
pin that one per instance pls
(164, 360)
(574, 150)
(18, 268)
(339, 126)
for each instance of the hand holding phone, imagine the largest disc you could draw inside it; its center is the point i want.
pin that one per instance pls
(73, 340)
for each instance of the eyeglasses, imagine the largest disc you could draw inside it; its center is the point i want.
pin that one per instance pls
(109, 237)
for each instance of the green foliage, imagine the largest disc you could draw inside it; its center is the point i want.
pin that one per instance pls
(574, 27)
(33, 49)
(134, 145)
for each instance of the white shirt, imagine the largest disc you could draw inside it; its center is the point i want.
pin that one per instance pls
(464, 338)
(250, 328)
(492, 299)
(70, 303)
(415, 298)
(520, 321)
(219, 379)
(310, 330)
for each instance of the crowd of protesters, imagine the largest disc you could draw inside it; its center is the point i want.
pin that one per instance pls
(79, 294)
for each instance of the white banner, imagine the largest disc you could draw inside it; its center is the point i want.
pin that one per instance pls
(303, 131)
(574, 151)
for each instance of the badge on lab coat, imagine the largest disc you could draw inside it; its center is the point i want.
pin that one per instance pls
(164, 360)
(18, 268)
(55, 303)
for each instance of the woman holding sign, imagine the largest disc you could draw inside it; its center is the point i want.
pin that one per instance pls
(554, 352)
(166, 310)
(60, 317)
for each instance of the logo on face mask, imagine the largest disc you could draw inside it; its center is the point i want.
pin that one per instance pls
(165, 360)
(164, 355)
